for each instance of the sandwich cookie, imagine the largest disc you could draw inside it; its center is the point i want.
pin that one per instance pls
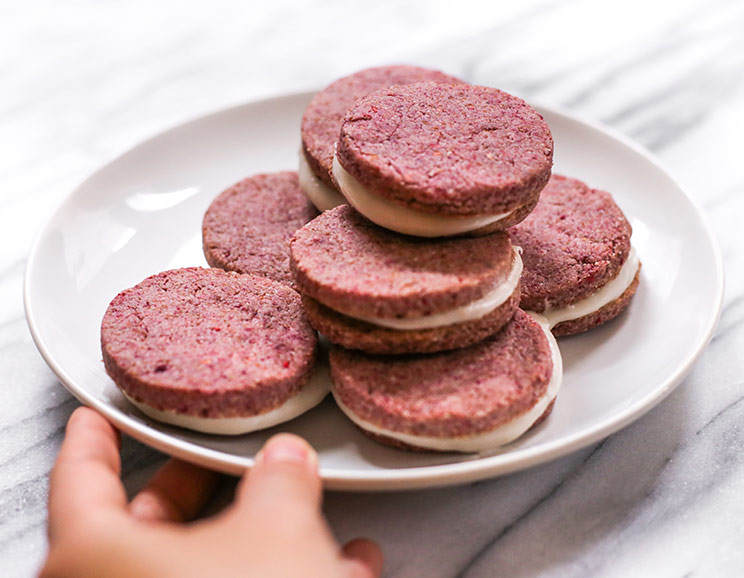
(580, 269)
(467, 400)
(212, 351)
(368, 288)
(322, 121)
(432, 159)
(247, 228)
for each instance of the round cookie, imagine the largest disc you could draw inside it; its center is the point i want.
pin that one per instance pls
(212, 350)
(433, 159)
(247, 228)
(322, 119)
(469, 400)
(369, 288)
(580, 269)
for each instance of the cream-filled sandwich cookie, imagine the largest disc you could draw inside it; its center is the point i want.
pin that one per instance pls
(211, 350)
(467, 400)
(434, 159)
(368, 288)
(580, 269)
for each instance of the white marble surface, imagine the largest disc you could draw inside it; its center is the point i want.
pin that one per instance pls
(81, 81)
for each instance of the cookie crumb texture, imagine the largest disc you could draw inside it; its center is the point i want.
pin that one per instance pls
(448, 149)
(457, 393)
(573, 243)
(322, 118)
(247, 228)
(208, 343)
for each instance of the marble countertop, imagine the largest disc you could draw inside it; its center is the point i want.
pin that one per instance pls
(81, 82)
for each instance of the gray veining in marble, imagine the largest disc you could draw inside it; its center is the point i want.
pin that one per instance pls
(83, 81)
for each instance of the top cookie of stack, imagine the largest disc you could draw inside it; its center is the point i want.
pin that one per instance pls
(433, 159)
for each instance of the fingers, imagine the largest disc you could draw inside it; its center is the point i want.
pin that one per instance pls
(279, 500)
(85, 479)
(363, 558)
(177, 493)
(284, 485)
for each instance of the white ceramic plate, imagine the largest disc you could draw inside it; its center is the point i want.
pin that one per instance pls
(142, 213)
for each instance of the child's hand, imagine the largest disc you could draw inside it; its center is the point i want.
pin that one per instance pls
(274, 528)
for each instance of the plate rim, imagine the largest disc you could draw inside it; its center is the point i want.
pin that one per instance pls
(415, 477)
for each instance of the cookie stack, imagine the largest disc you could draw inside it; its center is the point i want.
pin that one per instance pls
(422, 217)
(416, 281)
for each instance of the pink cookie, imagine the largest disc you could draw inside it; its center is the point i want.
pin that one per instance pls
(434, 159)
(211, 350)
(247, 228)
(368, 288)
(471, 399)
(579, 268)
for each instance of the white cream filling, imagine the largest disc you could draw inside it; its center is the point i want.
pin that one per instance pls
(607, 294)
(468, 312)
(497, 437)
(320, 194)
(309, 396)
(402, 219)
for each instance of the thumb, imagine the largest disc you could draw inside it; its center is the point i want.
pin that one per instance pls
(283, 485)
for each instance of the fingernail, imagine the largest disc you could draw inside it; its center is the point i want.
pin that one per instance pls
(287, 448)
